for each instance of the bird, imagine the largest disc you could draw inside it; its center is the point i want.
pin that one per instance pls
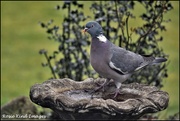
(114, 62)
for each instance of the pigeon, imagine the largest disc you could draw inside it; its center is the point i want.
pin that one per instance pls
(113, 62)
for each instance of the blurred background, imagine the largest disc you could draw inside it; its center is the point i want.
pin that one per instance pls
(22, 38)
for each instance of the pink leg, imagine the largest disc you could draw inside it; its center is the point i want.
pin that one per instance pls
(118, 85)
(103, 85)
(116, 93)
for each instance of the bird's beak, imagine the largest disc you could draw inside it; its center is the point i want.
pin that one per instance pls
(84, 30)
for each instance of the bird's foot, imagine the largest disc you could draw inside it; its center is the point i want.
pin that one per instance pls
(98, 88)
(116, 93)
(102, 85)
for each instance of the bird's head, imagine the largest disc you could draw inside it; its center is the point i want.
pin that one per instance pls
(93, 28)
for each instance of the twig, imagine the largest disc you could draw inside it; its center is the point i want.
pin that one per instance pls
(127, 31)
(119, 22)
(50, 66)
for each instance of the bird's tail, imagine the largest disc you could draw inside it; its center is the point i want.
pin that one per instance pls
(158, 60)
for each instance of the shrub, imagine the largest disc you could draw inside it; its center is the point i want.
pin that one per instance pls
(114, 17)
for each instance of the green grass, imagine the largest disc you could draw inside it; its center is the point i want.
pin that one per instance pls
(171, 47)
(22, 38)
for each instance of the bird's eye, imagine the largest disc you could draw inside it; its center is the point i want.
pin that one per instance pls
(92, 25)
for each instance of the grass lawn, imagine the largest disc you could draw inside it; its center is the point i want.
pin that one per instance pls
(22, 38)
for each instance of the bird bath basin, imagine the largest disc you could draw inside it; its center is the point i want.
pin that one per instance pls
(76, 100)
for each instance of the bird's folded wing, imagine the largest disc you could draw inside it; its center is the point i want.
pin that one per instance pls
(124, 61)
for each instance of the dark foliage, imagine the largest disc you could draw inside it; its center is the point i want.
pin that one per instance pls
(114, 17)
(74, 62)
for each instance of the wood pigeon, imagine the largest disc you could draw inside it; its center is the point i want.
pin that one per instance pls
(111, 61)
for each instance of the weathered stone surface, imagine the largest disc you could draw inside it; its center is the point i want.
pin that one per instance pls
(75, 100)
(20, 108)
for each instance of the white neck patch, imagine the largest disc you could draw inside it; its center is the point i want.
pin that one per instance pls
(102, 38)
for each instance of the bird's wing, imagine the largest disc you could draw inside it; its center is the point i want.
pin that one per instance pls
(124, 61)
